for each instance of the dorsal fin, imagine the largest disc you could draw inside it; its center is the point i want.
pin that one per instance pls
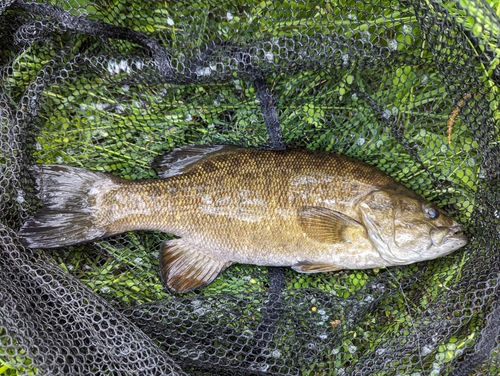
(180, 159)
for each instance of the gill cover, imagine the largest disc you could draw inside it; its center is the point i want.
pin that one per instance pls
(396, 226)
(377, 214)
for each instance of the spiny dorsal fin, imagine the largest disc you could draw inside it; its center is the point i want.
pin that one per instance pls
(179, 160)
(183, 268)
(304, 267)
(325, 225)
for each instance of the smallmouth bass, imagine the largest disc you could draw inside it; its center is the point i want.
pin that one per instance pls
(312, 211)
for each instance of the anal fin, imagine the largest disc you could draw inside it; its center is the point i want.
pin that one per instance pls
(305, 267)
(183, 268)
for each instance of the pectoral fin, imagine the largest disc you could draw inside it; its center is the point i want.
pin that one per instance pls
(325, 225)
(183, 268)
(305, 267)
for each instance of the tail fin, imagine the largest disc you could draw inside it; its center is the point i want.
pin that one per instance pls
(68, 213)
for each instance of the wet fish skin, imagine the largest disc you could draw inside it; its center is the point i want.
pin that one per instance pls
(312, 211)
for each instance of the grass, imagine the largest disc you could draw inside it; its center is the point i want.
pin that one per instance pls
(107, 119)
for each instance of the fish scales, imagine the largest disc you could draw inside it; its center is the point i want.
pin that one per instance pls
(248, 193)
(313, 211)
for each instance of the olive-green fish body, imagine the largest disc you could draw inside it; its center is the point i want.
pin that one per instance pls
(312, 211)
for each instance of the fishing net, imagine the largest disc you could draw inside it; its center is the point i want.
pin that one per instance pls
(410, 87)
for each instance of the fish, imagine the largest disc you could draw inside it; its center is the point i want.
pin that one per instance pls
(309, 210)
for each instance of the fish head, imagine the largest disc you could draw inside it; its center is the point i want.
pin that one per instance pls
(405, 228)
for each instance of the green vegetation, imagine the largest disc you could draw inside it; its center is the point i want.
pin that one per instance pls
(105, 118)
(13, 358)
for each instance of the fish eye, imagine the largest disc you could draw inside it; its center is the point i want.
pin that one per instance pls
(431, 212)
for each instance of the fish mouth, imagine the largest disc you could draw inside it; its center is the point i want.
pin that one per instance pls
(443, 236)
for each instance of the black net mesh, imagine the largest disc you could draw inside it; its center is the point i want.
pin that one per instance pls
(410, 87)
